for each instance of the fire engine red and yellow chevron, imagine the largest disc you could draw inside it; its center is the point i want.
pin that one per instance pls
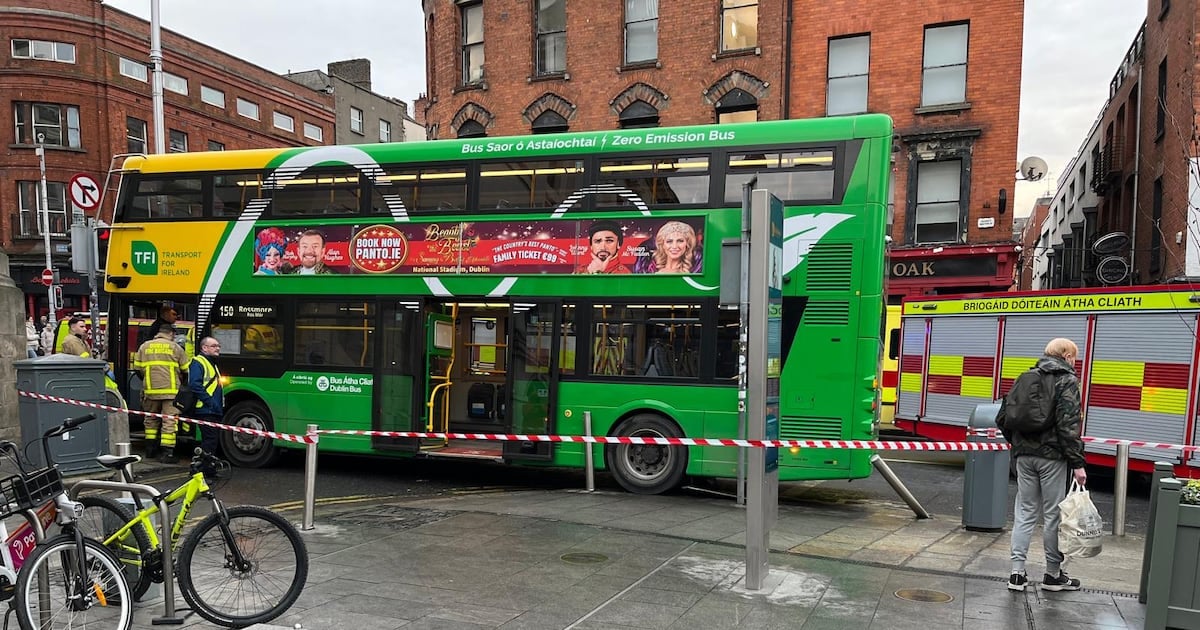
(1139, 386)
(961, 376)
(911, 368)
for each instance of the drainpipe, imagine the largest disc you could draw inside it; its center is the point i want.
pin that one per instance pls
(787, 60)
(1135, 277)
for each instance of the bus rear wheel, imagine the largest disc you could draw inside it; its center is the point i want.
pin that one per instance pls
(643, 468)
(243, 449)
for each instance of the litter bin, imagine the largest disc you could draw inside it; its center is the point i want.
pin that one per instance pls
(71, 377)
(985, 482)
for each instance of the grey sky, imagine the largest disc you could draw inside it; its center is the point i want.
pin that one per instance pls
(1072, 48)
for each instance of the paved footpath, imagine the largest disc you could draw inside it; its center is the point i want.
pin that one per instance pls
(569, 559)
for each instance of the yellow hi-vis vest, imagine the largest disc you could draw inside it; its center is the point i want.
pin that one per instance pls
(161, 361)
(210, 378)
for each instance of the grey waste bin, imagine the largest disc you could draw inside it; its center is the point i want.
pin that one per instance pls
(71, 377)
(985, 482)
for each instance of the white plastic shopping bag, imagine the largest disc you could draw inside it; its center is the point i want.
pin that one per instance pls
(1081, 532)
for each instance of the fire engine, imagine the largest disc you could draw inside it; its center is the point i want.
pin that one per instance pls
(1137, 365)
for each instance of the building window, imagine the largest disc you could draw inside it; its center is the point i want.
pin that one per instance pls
(944, 80)
(177, 141)
(641, 31)
(212, 96)
(849, 66)
(549, 121)
(133, 69)
(249, 109)
(472, 43)
(638, 114)
(1160, 117)
(213, 145)
(39, 49)
(175, 83)
(284, 122)
(939, 186)
(313, 132)
(47, 123)
(739, 24)
(135, 135)
(551, 37)
(1156, 208)
(385, 131)
(471, 129)
(737, 105)
(356, 120)
(29, 203)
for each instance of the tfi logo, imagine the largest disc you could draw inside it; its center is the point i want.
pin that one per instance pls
(145, 258)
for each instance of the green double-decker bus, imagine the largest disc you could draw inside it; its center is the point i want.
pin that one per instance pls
(513, 285)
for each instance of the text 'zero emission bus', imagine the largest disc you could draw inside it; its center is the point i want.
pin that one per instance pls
(509, 285)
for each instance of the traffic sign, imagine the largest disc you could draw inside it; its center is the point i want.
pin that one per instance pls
(84, 191)
(47, 277)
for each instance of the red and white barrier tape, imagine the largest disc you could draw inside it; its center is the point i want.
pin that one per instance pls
(301, 439)
(876, 445)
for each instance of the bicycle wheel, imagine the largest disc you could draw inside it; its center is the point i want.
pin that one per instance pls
(105, 602)
(269, 583)
(101, 517)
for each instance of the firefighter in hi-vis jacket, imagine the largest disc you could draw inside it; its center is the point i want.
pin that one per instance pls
(164, 368)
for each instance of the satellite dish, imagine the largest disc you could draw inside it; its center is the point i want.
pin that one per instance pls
(1033, 168)
(1112, 270)
(1110, 243)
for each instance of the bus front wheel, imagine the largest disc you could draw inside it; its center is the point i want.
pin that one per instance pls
(645, 468)
(244, 449)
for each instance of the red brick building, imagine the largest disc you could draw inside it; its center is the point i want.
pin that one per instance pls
(1137, 185)
(77, 73)
(947, 71)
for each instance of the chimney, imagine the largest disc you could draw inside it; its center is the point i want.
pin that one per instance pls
(356, 71)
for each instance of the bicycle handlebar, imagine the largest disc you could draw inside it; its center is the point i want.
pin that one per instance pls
(68, 425)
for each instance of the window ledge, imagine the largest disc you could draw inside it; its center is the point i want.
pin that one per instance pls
(740, 52)
(553, 76)
(480, 85)
(653, 64)
(49, 147)
(947, 108)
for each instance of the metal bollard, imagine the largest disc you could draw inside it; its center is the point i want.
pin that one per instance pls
(589, 473)
(1120, 489)
(310, 478)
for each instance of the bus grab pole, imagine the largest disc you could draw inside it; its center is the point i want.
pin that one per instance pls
(310, 478)
(589, 474)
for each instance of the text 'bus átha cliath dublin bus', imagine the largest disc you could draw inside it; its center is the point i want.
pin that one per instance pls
(508, 285)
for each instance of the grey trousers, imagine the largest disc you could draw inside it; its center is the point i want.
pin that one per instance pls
(1041, 486)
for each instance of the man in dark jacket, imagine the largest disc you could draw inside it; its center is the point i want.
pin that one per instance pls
(1045, 464)
(205, 380)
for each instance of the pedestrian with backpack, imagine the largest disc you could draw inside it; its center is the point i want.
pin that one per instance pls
(1040, 418)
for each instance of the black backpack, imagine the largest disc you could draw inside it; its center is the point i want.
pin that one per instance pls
(1029, 405)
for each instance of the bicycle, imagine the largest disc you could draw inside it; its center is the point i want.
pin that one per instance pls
(69, 579)
(225, 567)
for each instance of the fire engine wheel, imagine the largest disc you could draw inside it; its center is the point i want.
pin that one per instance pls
(243, 449)
(644, 468)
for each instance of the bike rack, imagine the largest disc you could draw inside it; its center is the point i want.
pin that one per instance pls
(169, 617)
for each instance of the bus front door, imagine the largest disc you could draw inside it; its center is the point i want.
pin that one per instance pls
(398, 376)
(529, 398)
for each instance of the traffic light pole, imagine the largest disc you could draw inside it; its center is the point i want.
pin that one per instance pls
(44, 210)
(99, 337)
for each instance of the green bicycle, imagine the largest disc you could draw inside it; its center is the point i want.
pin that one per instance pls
(240, 566)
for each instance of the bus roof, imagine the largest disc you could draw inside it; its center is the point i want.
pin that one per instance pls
(607, 141)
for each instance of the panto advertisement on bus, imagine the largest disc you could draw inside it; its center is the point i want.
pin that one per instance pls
(590, 246)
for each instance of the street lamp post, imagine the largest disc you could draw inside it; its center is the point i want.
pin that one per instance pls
(160, 143)
(44, 211)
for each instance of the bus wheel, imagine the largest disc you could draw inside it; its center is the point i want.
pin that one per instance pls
(644, 468)
(245, 450)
